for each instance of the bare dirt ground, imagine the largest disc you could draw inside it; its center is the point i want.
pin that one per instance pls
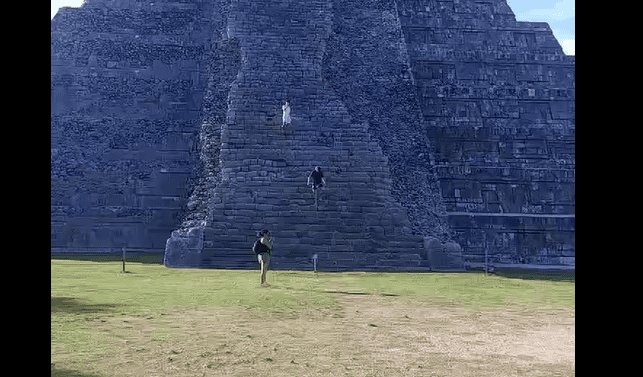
(370, 336)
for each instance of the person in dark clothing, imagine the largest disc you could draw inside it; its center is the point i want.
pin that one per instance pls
(316, 178)
(263, 247)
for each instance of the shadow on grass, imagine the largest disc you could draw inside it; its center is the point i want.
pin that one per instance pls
(347, 293)
(55, 372)
(360, 293)
(145, 258)
(355, 293)
(75, 306)
(536, 275)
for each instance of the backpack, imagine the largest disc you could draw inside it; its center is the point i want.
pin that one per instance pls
(258, 247)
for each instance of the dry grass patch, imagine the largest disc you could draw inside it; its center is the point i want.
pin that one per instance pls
(160, 322)
(369, 336)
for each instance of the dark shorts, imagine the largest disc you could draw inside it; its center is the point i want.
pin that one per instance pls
(317, 185)
(265, 257)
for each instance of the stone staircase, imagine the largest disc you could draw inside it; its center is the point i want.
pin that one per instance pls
(264, 168)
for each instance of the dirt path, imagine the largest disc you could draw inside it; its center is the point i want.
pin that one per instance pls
(370, 336)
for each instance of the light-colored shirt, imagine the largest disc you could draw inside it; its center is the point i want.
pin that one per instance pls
(286, 116)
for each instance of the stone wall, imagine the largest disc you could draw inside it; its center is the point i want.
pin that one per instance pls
(498, 99)
(127, 90)
(367, 65)
(449, 114)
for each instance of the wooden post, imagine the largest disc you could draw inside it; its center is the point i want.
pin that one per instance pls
(123, 258)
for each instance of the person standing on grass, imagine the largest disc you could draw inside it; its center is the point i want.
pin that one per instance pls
(263, 248)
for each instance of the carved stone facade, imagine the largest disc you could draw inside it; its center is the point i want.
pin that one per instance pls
(437, 123)
(498, 100)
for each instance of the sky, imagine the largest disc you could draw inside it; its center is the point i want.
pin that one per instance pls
(559, 14)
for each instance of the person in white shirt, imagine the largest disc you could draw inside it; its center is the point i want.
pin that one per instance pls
(286, 115)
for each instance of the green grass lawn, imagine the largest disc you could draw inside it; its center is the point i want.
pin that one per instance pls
(89, 299)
